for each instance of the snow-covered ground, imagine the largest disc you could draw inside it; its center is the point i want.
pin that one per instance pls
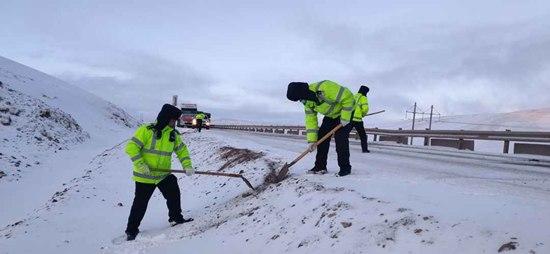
(394, 202)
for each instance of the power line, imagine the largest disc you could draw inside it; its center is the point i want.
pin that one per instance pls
(416, 110)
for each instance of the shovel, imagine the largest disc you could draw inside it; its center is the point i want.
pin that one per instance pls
(286, 167)
(212, 174)
(377, 112)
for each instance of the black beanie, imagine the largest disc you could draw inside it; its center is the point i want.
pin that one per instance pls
(300, 91)
(363, 90)
(167, 113)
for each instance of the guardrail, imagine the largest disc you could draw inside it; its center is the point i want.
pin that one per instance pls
(460, 136)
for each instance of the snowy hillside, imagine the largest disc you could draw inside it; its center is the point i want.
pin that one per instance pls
(94, 114)
(524, 120)
(39, 113)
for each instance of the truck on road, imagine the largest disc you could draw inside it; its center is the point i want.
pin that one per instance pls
(189, 110)
(187, 119)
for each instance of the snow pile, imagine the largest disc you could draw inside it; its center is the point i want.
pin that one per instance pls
(40, 114)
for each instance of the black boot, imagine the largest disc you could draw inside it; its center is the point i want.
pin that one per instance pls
(317, 171)
(130, 236)
(179, 221)
(340, 174)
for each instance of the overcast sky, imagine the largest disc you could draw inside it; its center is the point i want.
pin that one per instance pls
(235, 58)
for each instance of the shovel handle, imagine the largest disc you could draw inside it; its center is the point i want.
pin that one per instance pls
(205, 173)
(214, 174)
(377, 112)
(328, 135)
(217, 174)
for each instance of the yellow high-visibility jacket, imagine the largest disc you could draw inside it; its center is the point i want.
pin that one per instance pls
(361, 107)
(144, 147)
(334, 101)
(200, 116)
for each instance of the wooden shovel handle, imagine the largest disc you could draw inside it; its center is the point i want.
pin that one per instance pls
(328, 135)
(212, 174)
(205, 173)
(377, 112)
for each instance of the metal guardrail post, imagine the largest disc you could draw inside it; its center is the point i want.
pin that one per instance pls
(460, 144)
(427, 139)
(375, 136)
(404, 143)
(506, 147)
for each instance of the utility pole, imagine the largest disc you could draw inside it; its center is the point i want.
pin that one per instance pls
(431, 114)
(175, 100)
(414, 118)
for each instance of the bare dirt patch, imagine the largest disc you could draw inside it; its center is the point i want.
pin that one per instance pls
(508, 246)
(273, 175)
(235, 156)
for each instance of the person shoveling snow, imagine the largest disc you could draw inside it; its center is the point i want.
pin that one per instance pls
(336, 103)
(151, 147)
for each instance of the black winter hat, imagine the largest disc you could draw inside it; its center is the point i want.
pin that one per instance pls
(300, 91)
(297, 91)
(364, 90)
(167, 113)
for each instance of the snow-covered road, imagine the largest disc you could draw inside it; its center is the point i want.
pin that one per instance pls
(396, 201)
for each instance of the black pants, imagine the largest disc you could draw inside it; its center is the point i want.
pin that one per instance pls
(360, 128)
(171, 192)
(342, 145)
(199, 124)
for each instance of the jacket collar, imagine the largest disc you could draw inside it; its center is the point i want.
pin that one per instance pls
(167, 128)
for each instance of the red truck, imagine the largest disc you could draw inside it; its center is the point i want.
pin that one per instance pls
(187, 119)
(189, 110)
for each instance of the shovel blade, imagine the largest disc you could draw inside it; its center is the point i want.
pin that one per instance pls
(283, 172)
(247, 183)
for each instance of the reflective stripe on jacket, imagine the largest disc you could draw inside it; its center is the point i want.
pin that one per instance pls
(334, 101)
(361, 107)
(144, 147)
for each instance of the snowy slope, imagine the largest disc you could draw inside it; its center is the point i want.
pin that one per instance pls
(39, 113)
(394, 202)
(94, 114)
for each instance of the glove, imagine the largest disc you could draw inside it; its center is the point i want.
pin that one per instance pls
(189, 171)
(312, 147)
(142, 167)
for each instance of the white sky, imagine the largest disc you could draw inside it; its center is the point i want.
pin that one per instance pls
(235, 58)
